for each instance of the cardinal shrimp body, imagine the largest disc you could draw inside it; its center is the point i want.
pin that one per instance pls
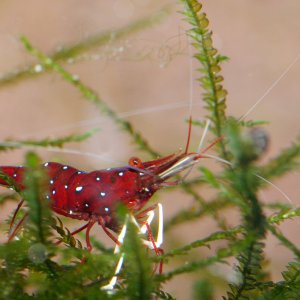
(94, 196)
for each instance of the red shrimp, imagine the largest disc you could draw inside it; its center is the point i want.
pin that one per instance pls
(94, 196)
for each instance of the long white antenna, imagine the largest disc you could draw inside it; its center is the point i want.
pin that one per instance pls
(275, 187)
(122, 115)
(257, 175)
(204, 134)
(270, 88)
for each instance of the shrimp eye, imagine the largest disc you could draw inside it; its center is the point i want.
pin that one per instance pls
(135, 162)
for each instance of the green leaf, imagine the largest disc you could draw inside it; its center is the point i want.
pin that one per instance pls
(35, 195)
(47, 142)
(138, 271)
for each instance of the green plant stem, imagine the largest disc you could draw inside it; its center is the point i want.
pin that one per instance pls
(233, 232)
(206, 58)
(90, 95)
(284, 240)
(47, 142)
(214, 95)
(73, 50)
(195, 265)
(194, 213)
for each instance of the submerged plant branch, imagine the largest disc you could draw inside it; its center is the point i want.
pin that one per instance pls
(70, 51)
(289, 288)
(214, 95)
(287, 243)
(196, 213)
(285, 215)
(246, 185)
(234, 231)
(90, 95)
(220, 257)
(39, 212)
(47, 142)
(220, 235)
(287, 160)
(138, 271)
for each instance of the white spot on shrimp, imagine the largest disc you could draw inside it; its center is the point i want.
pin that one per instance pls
(79, 172)
(15, 175)
(127, 192)
(66, 186)
(141, 174)
(121, 173)
(46, 164)
(53, 192)
(65, 167)
(70, 212)
(79, 189)
(146, 190)
(51, 181)
(98, 178)
(108, 169)
(106, 209)
(47, 197)
(86, 205)
(102, 194)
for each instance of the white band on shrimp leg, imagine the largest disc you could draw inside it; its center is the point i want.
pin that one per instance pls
(121, 237)
(160, 232)
(149, 220)
(144, 228)
(113, 281)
